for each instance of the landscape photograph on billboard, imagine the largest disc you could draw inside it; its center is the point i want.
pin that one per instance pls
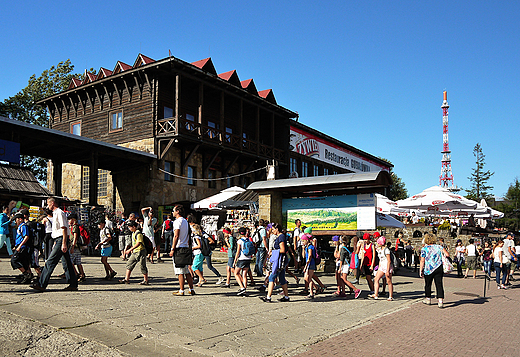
(324, 218)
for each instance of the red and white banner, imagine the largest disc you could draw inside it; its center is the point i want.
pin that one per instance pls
(312, 146)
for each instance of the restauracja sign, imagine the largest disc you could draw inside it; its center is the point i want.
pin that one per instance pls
(306, 144)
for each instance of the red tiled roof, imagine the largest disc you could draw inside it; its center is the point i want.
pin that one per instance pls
(231, 77)
(249, 85)
(121, 67)
(89, 77)
(141, 60)
(74, 83)
(268, 95)
(103, 73)
(206, 65)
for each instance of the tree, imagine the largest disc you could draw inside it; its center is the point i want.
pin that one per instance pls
(22, 106)
(479, 187)
(511, 207)
(398, 190)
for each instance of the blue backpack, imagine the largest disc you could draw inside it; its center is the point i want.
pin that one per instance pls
(248, 248)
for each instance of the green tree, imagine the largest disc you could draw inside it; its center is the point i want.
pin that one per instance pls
(22, 106)
(398, 189)
(479, 178)
(511, 207)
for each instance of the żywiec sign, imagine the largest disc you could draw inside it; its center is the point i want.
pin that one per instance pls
(312, 146)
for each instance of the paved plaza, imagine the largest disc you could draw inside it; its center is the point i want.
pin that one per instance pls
(111, 319)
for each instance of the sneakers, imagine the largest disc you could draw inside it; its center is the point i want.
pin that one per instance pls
(427, 301)
(71, 288)
(241, 292)
(112, 274)
(440, 304)
(265, 299)
(357, 293)
(178, 293)
(226, 285)
(37, 287)
(373, 296)
(262, 288)
(310, 297)
(284, 299)
(124, 281)
(192, 292)
(219, 281)
(503, 287)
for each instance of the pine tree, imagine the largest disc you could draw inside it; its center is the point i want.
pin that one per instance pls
(479, 178)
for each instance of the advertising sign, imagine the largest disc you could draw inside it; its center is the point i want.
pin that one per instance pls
(10, 152)
(312, 146)
(349, 212)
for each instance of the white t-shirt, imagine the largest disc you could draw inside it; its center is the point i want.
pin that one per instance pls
(297, 232)
(471, 250)
(459, 250)
(508, 243)
(383, 260)
(59, 221)
(415, 219)
(195, 243)
(240, 246)
(496, 255)
(182, 225)
(517, 249)
(148, 227)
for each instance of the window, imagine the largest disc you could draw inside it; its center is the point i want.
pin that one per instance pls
(305, 169)
(169, 167)
(212, 174)
(192, 173)
(246, 181)
(75, 128)
(293, 164)
(335, 172)
(116, 121)
(316, 170)
(228, 131)
(229, 182)
(212, 133)
(167, 112)
(190, 120)
(325, 172)
(102, 183)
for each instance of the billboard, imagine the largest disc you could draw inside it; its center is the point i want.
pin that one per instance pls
(348, 212)
(9, 151)
(312, 146)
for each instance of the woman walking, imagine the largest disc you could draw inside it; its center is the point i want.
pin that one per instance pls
(500, 261)
(385, 269)
(487, 259)
(431, 269)
(459, 257)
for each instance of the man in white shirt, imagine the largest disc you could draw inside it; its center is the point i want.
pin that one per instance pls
(60, 250)
(507, 250)
(181, 244)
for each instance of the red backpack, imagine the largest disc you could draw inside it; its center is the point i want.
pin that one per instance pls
(84, 236)
(168, 225)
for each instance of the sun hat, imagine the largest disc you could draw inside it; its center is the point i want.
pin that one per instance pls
(305, 236)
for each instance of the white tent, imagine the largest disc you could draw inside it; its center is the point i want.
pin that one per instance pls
(212, 201)
(437, 198)
(384, 220)
(387, 206)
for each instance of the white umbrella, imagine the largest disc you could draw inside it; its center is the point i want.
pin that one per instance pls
(384, 220)
(437, 197)
(387, 206)
(212, 201)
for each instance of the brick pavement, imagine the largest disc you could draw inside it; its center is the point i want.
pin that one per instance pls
(468, 324)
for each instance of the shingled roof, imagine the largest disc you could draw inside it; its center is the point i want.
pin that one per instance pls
(20, 180)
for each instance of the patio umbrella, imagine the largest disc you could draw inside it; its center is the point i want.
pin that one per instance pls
(212, 201)
(437, 197)
(387, 206)
(384, 220)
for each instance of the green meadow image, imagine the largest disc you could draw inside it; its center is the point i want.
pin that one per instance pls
(324, 218)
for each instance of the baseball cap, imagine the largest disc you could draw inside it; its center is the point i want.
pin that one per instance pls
(376, 235)
(308, 230)
(242, 231)
(305, 236)
(226, 230)
(18, 215)
(366, 236)
(335, 238)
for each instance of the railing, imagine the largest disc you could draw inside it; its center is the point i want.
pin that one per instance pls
(166, 126)
(249, 145)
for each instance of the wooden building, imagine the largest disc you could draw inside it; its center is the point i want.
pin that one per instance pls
(199, 124)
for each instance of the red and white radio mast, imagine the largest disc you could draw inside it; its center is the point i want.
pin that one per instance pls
(446, 175)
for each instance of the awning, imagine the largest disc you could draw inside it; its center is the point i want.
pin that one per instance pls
(212, 201)
(242, 200)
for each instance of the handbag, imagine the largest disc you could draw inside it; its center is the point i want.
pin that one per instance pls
(182, 256)
(447, 265)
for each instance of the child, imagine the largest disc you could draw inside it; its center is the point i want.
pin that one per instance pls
(198, 258)
(310, 263)
(339, 282)
(75, 248)
(21, 256)
(138, 254)
(242, 262)
(105, 236)
(344, 267)
(385, 269)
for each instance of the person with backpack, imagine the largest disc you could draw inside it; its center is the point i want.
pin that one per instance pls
(181, 250)
(278, 261)
(34, 241)
(198, 257)
(385, 269)
(148, 228)
(105, 236)
(243, 256)
(21, 256)
(75, 246)
(260, 241)
(137, 253)
(60, 250)
(310, 264)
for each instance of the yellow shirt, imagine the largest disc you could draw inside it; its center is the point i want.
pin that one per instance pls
(137, 236)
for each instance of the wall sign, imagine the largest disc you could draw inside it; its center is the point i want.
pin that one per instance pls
(10, 152)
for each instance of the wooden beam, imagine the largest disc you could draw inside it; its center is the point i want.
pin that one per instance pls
(99, 98)
(92, 101)
(222, 116)
(138, 87)
(109, 97)
(127, 89)
(225, 172)
(93, 179)
(148, 82)
(185, 161)
(83, 104)
(177, 101)
(72, 104)
(163, 153)
(206, 167)
(119, 95)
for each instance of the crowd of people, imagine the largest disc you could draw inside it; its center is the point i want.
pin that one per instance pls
(269, 244)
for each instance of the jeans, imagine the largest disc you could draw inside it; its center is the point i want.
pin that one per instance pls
(54, 257)
(500, 270)
(210, 266)
(168, 239)
(436, 276)
(459, 266)
(487, 266)
(260, 258)
(4, 239)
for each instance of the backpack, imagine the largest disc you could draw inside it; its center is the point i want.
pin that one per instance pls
(248, 248)
(347, 257)
(317, 258)
(147, 245)
(34, 239)
(257, 238)
(204, 244)
(168, 225)
(84, 236)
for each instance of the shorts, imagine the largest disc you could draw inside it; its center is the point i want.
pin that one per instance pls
(471, 263)
(197, 262)
(106, 252)
(75, 257)
(243, 264)
(180, 271)
(345, 269)
(230, 262)
(312, 267)
(280, 274)
(383, 269)
(365, 269)
(338, 265)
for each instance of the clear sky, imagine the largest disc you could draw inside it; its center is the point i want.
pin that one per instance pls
(369, 73)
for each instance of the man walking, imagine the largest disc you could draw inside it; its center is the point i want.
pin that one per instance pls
(259, 238)
(181, 248)
(60, 250)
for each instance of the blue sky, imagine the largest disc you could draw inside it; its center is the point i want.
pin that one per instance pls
(368, 73)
